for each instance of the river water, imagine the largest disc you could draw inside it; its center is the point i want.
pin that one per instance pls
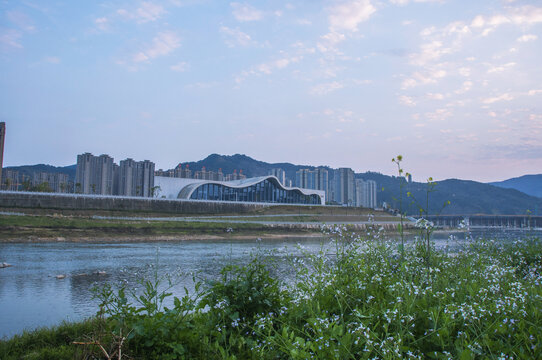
(32, 296)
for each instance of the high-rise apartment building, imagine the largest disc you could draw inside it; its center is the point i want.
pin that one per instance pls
(279, 174)
(366, 193)
(343, 183)
(57, 182)
(2, 139)
(317, 179)
(94, 174)
(302, 178)
(136, 178)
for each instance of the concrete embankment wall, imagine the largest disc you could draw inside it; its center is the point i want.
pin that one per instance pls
(10, 199)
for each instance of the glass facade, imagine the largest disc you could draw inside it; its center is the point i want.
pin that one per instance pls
(264, 191)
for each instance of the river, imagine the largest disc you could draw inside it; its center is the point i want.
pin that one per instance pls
(32, 296)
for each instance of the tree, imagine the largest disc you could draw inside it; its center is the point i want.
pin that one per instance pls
(155, 191)
(7, 183)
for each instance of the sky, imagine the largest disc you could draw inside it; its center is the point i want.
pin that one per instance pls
(454, 86)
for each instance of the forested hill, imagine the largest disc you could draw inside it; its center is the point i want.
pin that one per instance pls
(529, 184)
(250, 167)
(465, 196)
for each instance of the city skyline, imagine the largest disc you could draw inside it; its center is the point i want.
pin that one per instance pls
(455, 89)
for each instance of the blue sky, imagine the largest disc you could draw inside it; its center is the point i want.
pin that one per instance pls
(454, 86)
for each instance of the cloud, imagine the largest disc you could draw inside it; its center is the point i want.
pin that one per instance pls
(234, 37)
(524, 15)
(268, 67)
(418, 78)
(429, 52)
(500, 68)
(303, 22)
(323, 89)
(406, 2)
(534, 92)
(503, 97)
(162, 44)
(146, 12)
(467, 85)
(9, 38)
(102, 23)
(180, 67)
(526, 38)
(438, 115)
(514, 151)
(21, 20)
(51, 60)
(435, 96)
(202, 85)
(245, 12)
(348, 15)
(406, 100)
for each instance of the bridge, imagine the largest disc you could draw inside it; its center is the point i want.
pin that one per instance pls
(487, 221)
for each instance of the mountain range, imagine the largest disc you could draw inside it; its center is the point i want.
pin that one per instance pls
(529, 184)
(509, 197)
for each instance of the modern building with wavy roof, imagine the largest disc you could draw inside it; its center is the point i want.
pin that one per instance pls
(263, 189)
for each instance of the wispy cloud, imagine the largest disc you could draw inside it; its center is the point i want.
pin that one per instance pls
(406, 100)
(326, 88)
(534, 92)
(430, 76)
(180, 67)
(20, 20)
(146, 12)
(162, 44)
(502, 97)
(245, 12)
(348, 15)
(9, 39)
(235, 37)
(524, 15)
(102, 23)
(527, 37)
(499, 68)
(406, 2)
(268, 68)
(52, 60)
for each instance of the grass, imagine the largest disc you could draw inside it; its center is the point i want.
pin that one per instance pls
(48, 343)
(19, 227)
(362, 299)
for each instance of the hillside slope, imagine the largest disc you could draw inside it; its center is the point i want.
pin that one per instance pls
(529, 184)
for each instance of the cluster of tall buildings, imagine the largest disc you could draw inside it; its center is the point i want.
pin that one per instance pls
(184, 172)
(100, 175)
(340, 185)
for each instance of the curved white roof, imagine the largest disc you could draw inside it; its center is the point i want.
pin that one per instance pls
(180, 188)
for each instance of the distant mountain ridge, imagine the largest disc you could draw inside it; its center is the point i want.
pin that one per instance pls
(250, 166)
(465, 196)
(529, 184)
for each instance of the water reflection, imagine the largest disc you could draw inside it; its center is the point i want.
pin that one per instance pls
(32, 296)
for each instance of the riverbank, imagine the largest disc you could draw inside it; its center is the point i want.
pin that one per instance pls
(480, 302)
(40, 227)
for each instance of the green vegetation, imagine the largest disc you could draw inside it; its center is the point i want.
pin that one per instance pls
(359, 300)
(20, 227)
